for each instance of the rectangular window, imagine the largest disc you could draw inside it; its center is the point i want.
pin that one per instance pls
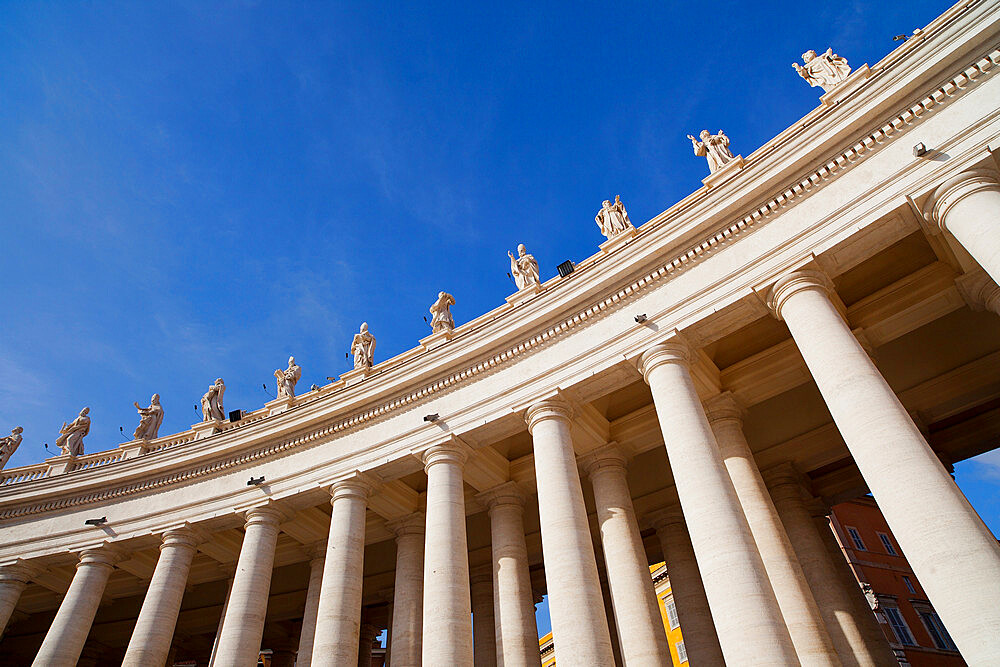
(682, 654)
(909, 585)
(936, 630)
(899, 627)
(887, 543)
(672, 615)
(856, 538)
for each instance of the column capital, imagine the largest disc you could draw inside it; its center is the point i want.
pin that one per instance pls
(182, 536)
(671, 351)
(452, 451)
(797, 281)
(783, 480)
(955, 189)
(979, 291)
(359, 485)
(508, 494)
(103, 556)
(724, 407)
(667, 516)
(411, 524)
(819, 508)
(549, 408)
(606, 459)
(266, 515)
(20, 570)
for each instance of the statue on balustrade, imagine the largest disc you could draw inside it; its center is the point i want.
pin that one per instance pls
(827, 70)
(287, 379)
(70, 439)
(715, 147)
(363, 348)
(613, 218)
(149, 419)
(523, 268)
(9, 445)
(211, 402)
(441, 319)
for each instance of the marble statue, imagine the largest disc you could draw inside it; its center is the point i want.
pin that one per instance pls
(715, 147)
(211, 402)
(826, 70)
(70, 439)
(441, 319)
(287, 378)
(9, 445)
(524, 268)
(363, 348)
(149, 419)
(613, 218)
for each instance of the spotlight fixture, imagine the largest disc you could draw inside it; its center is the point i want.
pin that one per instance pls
(565, 268)
(314, 387)
(96, 522)
(919, 150)
(235, 416)
(899, 38)
(432, 418)
(331, 378)
(640, 318)
(255, 481)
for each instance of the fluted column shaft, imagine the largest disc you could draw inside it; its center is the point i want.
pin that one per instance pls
(955, 556)
(700, 638)
(633, 596)
(795, 599)
(576, 606)
(750, 627)
(513, 603)
(154, 628)
(338, 615)
(64, 641)
(243, 625)
(303, 658)
(484, 635)
(13, 579)
(447, 627)
(968, 206)
(845, 624)
(408, 594)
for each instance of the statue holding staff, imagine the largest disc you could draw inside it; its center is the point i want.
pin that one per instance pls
(524, 268)
(287, 378)
(70, 439)
(826, 70)
(149, 419)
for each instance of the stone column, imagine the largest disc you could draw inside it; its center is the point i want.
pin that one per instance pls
(154, 629)
(408, 595)
(338, 616)
(303, 658)
(13, 579)
(968, 207)
(484, 629)
(750, 627)
(222, 618)
(700, 638)
(447, 627)
(576, 606)
(283, 657)
(64, 641)
(366, 637)
(243, 624)
(802, 616)
(955, 556)
(844, 623)
(637, 614)
(513, 599)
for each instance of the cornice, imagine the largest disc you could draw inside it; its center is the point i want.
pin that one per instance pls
(528, 313)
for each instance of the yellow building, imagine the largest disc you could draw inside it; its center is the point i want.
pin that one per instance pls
(665, 598)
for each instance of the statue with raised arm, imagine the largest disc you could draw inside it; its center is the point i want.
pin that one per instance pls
(715, 147)
(612, 218)
(363, 348)
(441, 319)
(287, 378)
(211, 402)
(524, 268)
(149, 419)
(826, 70)
(70, 439)
(9, 445)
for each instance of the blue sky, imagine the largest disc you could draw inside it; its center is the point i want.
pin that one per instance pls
(191, 189)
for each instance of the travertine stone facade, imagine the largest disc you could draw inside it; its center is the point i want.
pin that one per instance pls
(720, 374)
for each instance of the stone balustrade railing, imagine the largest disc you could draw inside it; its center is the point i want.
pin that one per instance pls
(24, 474)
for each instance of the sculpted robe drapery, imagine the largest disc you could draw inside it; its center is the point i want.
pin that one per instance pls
(149, 422)
(70, 440)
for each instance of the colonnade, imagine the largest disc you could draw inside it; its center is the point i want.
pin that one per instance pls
(755, 576)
